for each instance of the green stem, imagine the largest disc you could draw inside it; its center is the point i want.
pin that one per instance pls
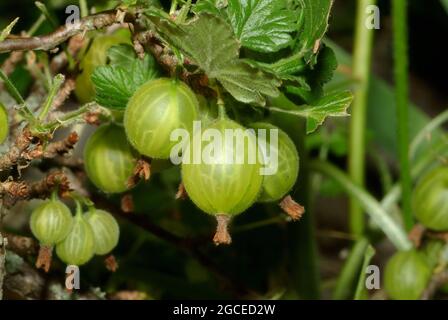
(57, 83)
(361, 73)
(84, 8)
(36, 25)
(70, 117)
(173, 6)
(399, 13)
(11, 88)
(376, 212)
(346, 282)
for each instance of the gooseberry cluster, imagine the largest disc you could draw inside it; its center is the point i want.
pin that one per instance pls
(76, 238)
(224, 190)
(408, 272)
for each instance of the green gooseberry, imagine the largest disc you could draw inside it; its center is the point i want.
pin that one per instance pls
(108, 159)
(155, 110)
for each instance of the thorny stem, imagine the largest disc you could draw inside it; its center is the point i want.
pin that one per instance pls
(222, 235)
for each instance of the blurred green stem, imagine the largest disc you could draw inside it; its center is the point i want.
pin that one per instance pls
(362, 55)
(84, 8)
(302, 245)
(399, 13)
(376, 212)
(346, 282)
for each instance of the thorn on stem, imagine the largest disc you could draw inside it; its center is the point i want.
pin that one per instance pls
(292, 208)
(222, 235)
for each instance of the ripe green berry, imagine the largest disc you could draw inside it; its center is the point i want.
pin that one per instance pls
(155, 110)
(51, 222)
(407, 275)
(224, 189)
(430, 200)
(79, 245)
(106, 231)
(108, 159)
(3, 123)
(277, 185)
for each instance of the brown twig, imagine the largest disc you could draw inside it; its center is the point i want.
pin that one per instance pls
(197, 81)
(437, 281)
(21, 245)
(14, 191)
(416, 234)
(17, 151)
(60, 148)
(50, 41)
(63, 93)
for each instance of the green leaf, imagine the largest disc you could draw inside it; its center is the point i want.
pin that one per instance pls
(248, 84)
(284, 69)
(361, 288)
(116, 83)
(121, 55)
(5, 32)
(210, 44)
(315, 24)
(262, 25)
(334, 104)
(209, 6)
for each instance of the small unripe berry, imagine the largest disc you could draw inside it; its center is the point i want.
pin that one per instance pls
(108, 159)
(277, 185)
(51, 222)
(407, 275)
(106, 231)
(79, 245)
(430, 200)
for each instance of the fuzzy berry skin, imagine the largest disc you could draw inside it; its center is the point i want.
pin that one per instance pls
(154, 111)
(51, 222)
(79, 245)
(106, 231)
(407, 275)
(276, 186)
(3, 123)
(223, 188)
(109, 159)
(430, 200)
